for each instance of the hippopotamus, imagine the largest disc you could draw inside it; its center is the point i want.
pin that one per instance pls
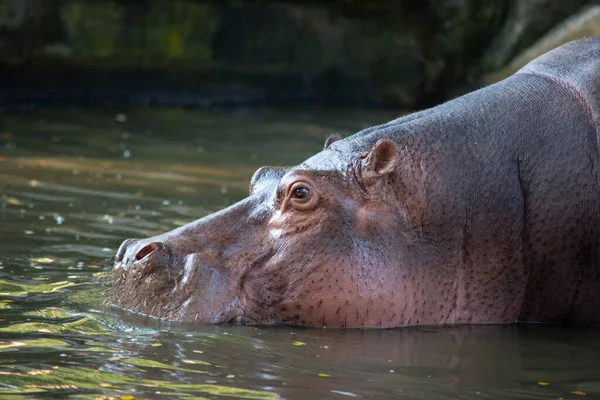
(484, 209)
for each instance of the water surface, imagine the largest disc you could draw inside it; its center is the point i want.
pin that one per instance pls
(74, 184)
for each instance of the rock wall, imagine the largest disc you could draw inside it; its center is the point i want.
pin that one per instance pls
(398, 53)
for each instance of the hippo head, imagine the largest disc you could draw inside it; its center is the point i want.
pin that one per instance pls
(308, 247)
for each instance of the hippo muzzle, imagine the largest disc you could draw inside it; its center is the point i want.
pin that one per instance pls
(193, 272)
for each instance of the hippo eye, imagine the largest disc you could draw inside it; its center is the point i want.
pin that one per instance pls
(302, 197)
(300, 193)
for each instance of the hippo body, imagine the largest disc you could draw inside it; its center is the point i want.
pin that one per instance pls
(485, 209)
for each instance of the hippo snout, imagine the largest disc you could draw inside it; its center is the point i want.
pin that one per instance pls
(144, 255)
(144, 275)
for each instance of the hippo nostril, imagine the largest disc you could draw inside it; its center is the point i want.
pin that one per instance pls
(148, 249)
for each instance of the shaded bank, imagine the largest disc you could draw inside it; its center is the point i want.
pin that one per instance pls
(214, 54)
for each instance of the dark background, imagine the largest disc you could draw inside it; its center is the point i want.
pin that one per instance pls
(404, 54)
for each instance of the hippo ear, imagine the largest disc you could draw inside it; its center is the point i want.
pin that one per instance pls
(380, 161)
(330, 140)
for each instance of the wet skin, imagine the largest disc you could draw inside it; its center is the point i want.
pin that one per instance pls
(485, 209)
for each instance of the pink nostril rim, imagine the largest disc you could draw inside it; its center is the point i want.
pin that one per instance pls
(144, 251)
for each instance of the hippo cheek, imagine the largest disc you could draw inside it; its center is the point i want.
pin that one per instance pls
(206, 293)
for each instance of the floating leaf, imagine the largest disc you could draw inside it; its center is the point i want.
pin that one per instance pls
(579, 393)
(322, 375)
(543, 383)
(298, 344)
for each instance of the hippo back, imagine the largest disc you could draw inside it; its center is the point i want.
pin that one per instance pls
(575, 65)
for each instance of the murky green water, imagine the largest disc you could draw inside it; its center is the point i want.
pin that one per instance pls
(73, 185)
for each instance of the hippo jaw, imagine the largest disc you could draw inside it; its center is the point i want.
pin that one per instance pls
(306, 247)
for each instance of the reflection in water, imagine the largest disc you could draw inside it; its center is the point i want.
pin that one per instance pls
(73, 185)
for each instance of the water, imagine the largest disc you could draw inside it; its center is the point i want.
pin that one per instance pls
(74, 184)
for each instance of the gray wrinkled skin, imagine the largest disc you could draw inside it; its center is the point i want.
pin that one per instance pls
(485, 209)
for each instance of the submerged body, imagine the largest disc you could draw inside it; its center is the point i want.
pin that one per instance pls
(485, 209)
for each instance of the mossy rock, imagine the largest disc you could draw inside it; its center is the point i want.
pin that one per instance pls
(584, 23)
